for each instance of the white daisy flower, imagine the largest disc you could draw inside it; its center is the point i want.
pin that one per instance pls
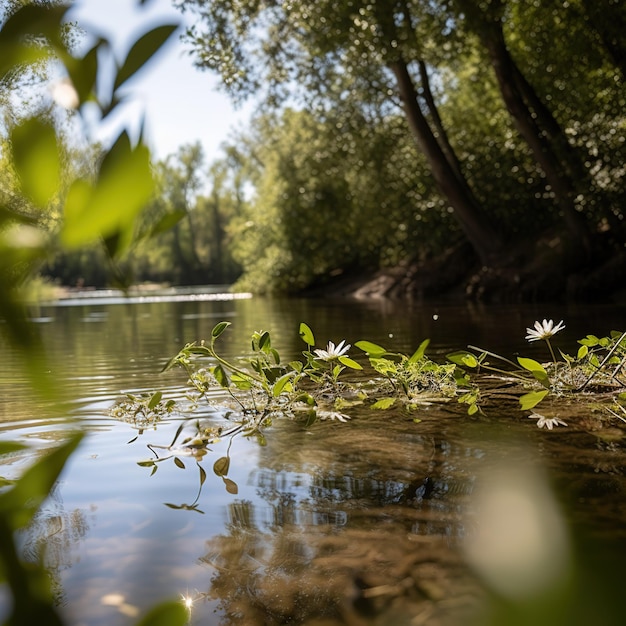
(548, 422)
(332, 351)
(544, 330)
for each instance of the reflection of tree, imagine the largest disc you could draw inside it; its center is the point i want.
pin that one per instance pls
(361, 532)
(52, 538)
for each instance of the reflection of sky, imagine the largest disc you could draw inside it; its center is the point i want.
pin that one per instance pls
(136, 546)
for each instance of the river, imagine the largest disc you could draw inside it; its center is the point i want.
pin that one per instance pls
(373, 521)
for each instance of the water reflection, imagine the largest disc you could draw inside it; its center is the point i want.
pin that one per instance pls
(359, 523)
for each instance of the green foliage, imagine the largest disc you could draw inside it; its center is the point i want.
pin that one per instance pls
(46, 205)
(29, 585)
(346, 164)
(100, 205)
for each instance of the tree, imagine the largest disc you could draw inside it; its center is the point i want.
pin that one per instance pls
(334, 52)
(534, 121)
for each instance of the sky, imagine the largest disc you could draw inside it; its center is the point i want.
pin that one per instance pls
(180, 103)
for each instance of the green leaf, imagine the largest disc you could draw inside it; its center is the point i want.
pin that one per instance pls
(582, 352)
(384, 403)
(23, 500)
(296, 366)
(167, 222)
(123, 188)
(463, 358)
(202, 475)
(221, 376)
(155, 399)
(218, 329)
(419, 353)
(179, 463)
(172, 613)
(221, 466)
(371, 349)
(36, 160)
(264, 342)
(306, 334)
(241, 382)
(473, 408)
(142, 51)
(83, 72)
(280, 384)
(590, 341)
(532, 399)
(531, 365)
(348, 362)
(275, 356)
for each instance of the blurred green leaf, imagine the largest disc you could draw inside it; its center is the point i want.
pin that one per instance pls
(20, 503)
(463, 358)
(168, 221)
(264, 341)
(142, 51)
(19, 34)
(83, 72)
(123, 189)
(36, 160)
(172, 613)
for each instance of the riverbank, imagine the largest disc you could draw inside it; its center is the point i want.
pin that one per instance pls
(547, 269)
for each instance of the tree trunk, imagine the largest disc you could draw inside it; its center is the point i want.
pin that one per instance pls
(518, 96)
(473, 221)
(441, 134)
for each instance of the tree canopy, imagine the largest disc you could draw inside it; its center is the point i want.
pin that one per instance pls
(514, 107)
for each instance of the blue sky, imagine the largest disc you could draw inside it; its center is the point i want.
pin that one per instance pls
(180, 103)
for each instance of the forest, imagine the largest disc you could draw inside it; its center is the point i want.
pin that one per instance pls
(407, 148)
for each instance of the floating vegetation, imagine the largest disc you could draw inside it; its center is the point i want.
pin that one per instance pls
(327, 383)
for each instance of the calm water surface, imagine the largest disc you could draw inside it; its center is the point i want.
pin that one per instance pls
(340, 523)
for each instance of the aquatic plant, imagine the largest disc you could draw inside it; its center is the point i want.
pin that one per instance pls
(251, 392)
(597, 371)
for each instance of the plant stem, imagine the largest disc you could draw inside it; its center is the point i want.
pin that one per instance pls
(551, 350)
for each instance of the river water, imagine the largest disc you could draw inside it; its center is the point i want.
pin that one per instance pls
(389, 518)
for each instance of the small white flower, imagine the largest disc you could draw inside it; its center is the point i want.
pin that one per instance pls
(332, 351)
(544, 330)
(64, 94)
(548, 422)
